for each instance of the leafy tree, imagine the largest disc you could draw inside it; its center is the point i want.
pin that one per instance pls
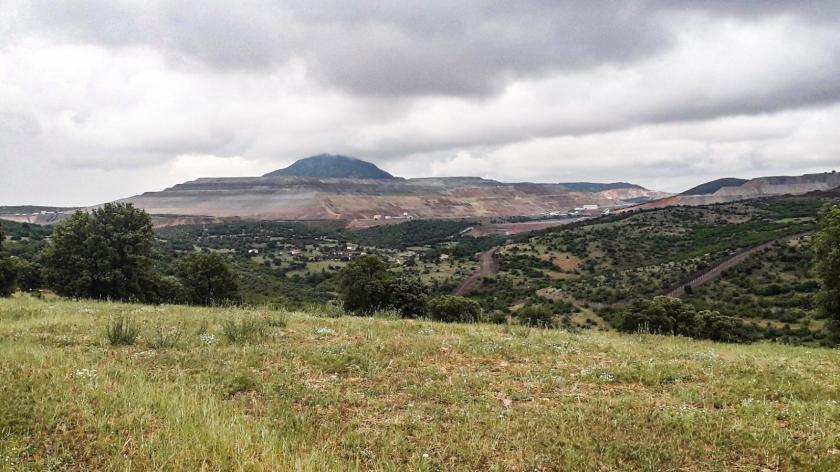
(207, 280)
(453, 309)
(536, 315)
(666, 315)
(30, 275)
(105, 254)
(366, 285)
(827, 247)
(363, 285)
(407, 295)
(8, 270)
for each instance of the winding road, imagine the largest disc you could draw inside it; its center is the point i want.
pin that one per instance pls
(488, 266)
(714, 271)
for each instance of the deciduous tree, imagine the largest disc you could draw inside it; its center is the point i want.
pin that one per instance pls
(105, 254)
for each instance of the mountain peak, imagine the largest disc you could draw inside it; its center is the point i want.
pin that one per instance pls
(332, 166)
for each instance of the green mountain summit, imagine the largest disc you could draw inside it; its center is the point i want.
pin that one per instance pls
(332, 166)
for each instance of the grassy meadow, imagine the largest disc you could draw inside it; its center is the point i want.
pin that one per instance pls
(251, 389)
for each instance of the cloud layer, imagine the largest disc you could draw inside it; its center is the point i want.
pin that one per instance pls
(102, 99)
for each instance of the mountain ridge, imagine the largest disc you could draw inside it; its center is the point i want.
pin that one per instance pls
(595, 187)
(715, 185)
(332, 166)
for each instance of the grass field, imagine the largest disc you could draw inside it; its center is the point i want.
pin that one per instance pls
(295, 391)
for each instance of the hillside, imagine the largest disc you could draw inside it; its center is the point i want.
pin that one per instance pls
(588, 270)
(598, 187)
(714, 186)
(306, 392)
(303, 198)
(332, 166)
(755, 188)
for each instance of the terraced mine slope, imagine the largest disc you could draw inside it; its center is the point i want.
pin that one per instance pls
(304, 198)
(731, 190)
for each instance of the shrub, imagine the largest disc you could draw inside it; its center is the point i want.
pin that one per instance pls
(362, 285)
(455, 309)
(246, 330)
(241, 383)
(537, 316)
(666, 315)
(277, 320)
(122, 332)
(366, 286)
(407, 295)
(207, 280)
(8, 271)
(165, 339)
(328, 310)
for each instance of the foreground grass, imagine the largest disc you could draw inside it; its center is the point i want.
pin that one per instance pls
(310, 393)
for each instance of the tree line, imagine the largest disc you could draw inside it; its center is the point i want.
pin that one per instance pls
(109, 254)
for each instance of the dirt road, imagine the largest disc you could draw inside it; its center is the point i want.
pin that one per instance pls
(488, 266)
(714, 271)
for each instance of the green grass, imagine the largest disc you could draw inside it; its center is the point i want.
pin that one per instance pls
(318, 393)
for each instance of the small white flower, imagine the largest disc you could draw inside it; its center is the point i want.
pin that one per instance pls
(606, 377)
(326, 331)
(85, 373)
(207, 338)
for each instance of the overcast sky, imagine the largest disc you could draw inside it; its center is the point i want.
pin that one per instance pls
(102, 99)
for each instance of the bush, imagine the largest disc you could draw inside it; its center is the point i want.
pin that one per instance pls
(277, 320)
(407, 295)
(537, 316)
(247, 330)
(366, 286)
(29, 276)
(8, 276)
(122, 332)
(165, 339)
(453, 309)
(241, 383)
(8, 271)
(362, 285)
(666, 315)
(207, 280)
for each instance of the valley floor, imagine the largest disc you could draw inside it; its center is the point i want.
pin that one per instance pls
(317, 393)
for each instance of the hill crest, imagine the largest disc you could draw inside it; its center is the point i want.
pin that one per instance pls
(332, 166)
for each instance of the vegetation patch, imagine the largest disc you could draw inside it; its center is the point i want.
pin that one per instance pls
(384, 394)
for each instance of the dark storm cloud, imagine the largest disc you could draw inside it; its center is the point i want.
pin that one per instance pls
(137, 85)
(372, 47)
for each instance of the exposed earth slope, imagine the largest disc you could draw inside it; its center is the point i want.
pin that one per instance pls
(333, 187)
(754, 188)
(298, 198)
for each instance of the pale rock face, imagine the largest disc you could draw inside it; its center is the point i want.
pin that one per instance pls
(755, 188)
(297, 198)
(783, 185)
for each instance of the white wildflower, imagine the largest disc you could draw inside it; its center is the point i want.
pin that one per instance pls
(207, 338)
(85, 373)
(325, 331)
(606, 377)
